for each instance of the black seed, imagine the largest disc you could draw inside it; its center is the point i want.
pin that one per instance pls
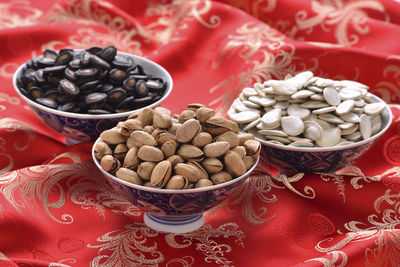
(53, 80)
(139, 77)
(45, 61)
(62, 99)
(69, 106)
(69, 88)
(122, 62)
(70, 74)
(75, 63)
(35, 92)
(85, 58)
(143, 100)
(94, 50)
(116, 96)
(129, 84)
(154, 85)
(89, 85)
(99, 63)
(126, 103)
(50, 53)
(102, 74)
(48, 102)
(39, 76)
(53, 94)
(108, 53)
(97, 99)
(138, 69)
(55, 69)
(105, 88)
(86, 73)
(141, 89)
(117, 75)
(66, 50)
(63, 58)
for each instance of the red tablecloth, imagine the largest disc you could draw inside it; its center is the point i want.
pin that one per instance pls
(57, 210)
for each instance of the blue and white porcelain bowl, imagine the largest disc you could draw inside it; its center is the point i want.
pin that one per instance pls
(79, 128)
(174, 211)
(292, 160)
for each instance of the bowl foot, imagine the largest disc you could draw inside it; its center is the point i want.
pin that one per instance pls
(174, 224)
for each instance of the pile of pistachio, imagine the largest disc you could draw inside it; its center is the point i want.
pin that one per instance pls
(308, 111)
(196, 148)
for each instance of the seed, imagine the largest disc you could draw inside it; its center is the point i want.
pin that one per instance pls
(68, 88)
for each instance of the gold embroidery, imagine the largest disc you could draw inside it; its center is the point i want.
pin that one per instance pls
(287, 181)
(257, 9)
(185, 261)
(341, 15)
(255, 186)
(389, 92)
(11, 14)
(127, 248)
(213, 251)
(338, 181)
(334, 261)
(8, 69)
(382, 228)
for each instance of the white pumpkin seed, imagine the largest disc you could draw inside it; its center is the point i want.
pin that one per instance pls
(297, 111)
(330, 137)
(374, 108)
(245, 116)
(331, 96)
(345, 107)
(365, 126)
(292, 125)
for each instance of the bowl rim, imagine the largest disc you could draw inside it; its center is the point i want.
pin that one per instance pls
(336, 148)
(172, 191)
(97, 116)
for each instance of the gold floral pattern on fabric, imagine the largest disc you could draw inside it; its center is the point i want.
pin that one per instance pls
(11, 125)
(342, 17)
(338, 181)
(254, 187)
(11, 14)
(43, 185)
(389, 91)
(288, 182)
(185, 261)
(130, 247)
(258, 9)
(382, 227)
(203, 242)
(339, 259)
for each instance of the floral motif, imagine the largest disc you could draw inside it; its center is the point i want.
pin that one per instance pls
(129, 247)
(338, 181)
(11, 14)
(201, 238)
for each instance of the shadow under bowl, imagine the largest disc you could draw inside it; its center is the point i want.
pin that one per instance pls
(291, 160)
(175, 211)
(77, 127)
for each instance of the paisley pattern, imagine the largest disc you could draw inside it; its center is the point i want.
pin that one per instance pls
(57, 209)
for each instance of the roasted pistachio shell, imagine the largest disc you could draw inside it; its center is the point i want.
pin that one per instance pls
(163, 137)
(230, 137)
(175, 159)
(240, 150)
(101, 149)
(128, 126)
(186, 115)
(129, 176)
(177, 182)
(169, 148)
(150, 153)
(141, 138)
(234, 164)
(203, 172)
(112, 136)
(212, 165)
(204, 183)
(145, 169)
(161, 120)
(188, 171)
(244, 137)
(221, 177)
(110, 163)
(202, 139)
(216, 149)
(187, 130)
(120, 151)
(253, 148)
(218, 125)
(204, 113)
(188, 152)
(248, 161)
(131, 160)
(161, 173)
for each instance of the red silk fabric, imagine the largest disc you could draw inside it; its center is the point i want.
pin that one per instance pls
(57, 210)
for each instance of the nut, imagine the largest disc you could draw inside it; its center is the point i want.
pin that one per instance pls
(140, 138)
(145, 169)
(175, 159)
(240, 150)
(190, 172)
(169, 148)
(248, 161)
(120, 151)
(186, 115)
(204, 113)
(212, 165)
(230, 137)
(161, 120)
(150, 153)
(190, 152)
(110, 163)
(113, 136)
(221, 177)
(253, 148)
(187, 130)
(161, 173)
(204, 183)
(177, 182)
(129, 176)
(216, 149)
(234, 164)
(202, 139)
(146, 116)
(101, 149)
(131, 160)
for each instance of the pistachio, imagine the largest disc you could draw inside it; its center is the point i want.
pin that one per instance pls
(194, 106)
(177, 182)
(174, 126)
(244, 137)
(144, 169)
(129, 176)
(110, 163)
(253, 148)
(188, 152)
(203, 172)
(163, 137)
(218, 125)
(186, 115)
(175, 159)
(101, 149)
(131, 160)
(240, 150)
(128, 126)
(216, 149)
(146, 116)
(221, 177)
(141, 138)
(203, 183)
(148, 128)
(112, 136)
(161, 173)
(204, 113)
(202, 139)
(234, 164)
(120, 151)
(150, 153)
(187, 130)
(212, 165)
(248, 161)
(190, 172)
(169, 148)
(161, 120)
(230, 137)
